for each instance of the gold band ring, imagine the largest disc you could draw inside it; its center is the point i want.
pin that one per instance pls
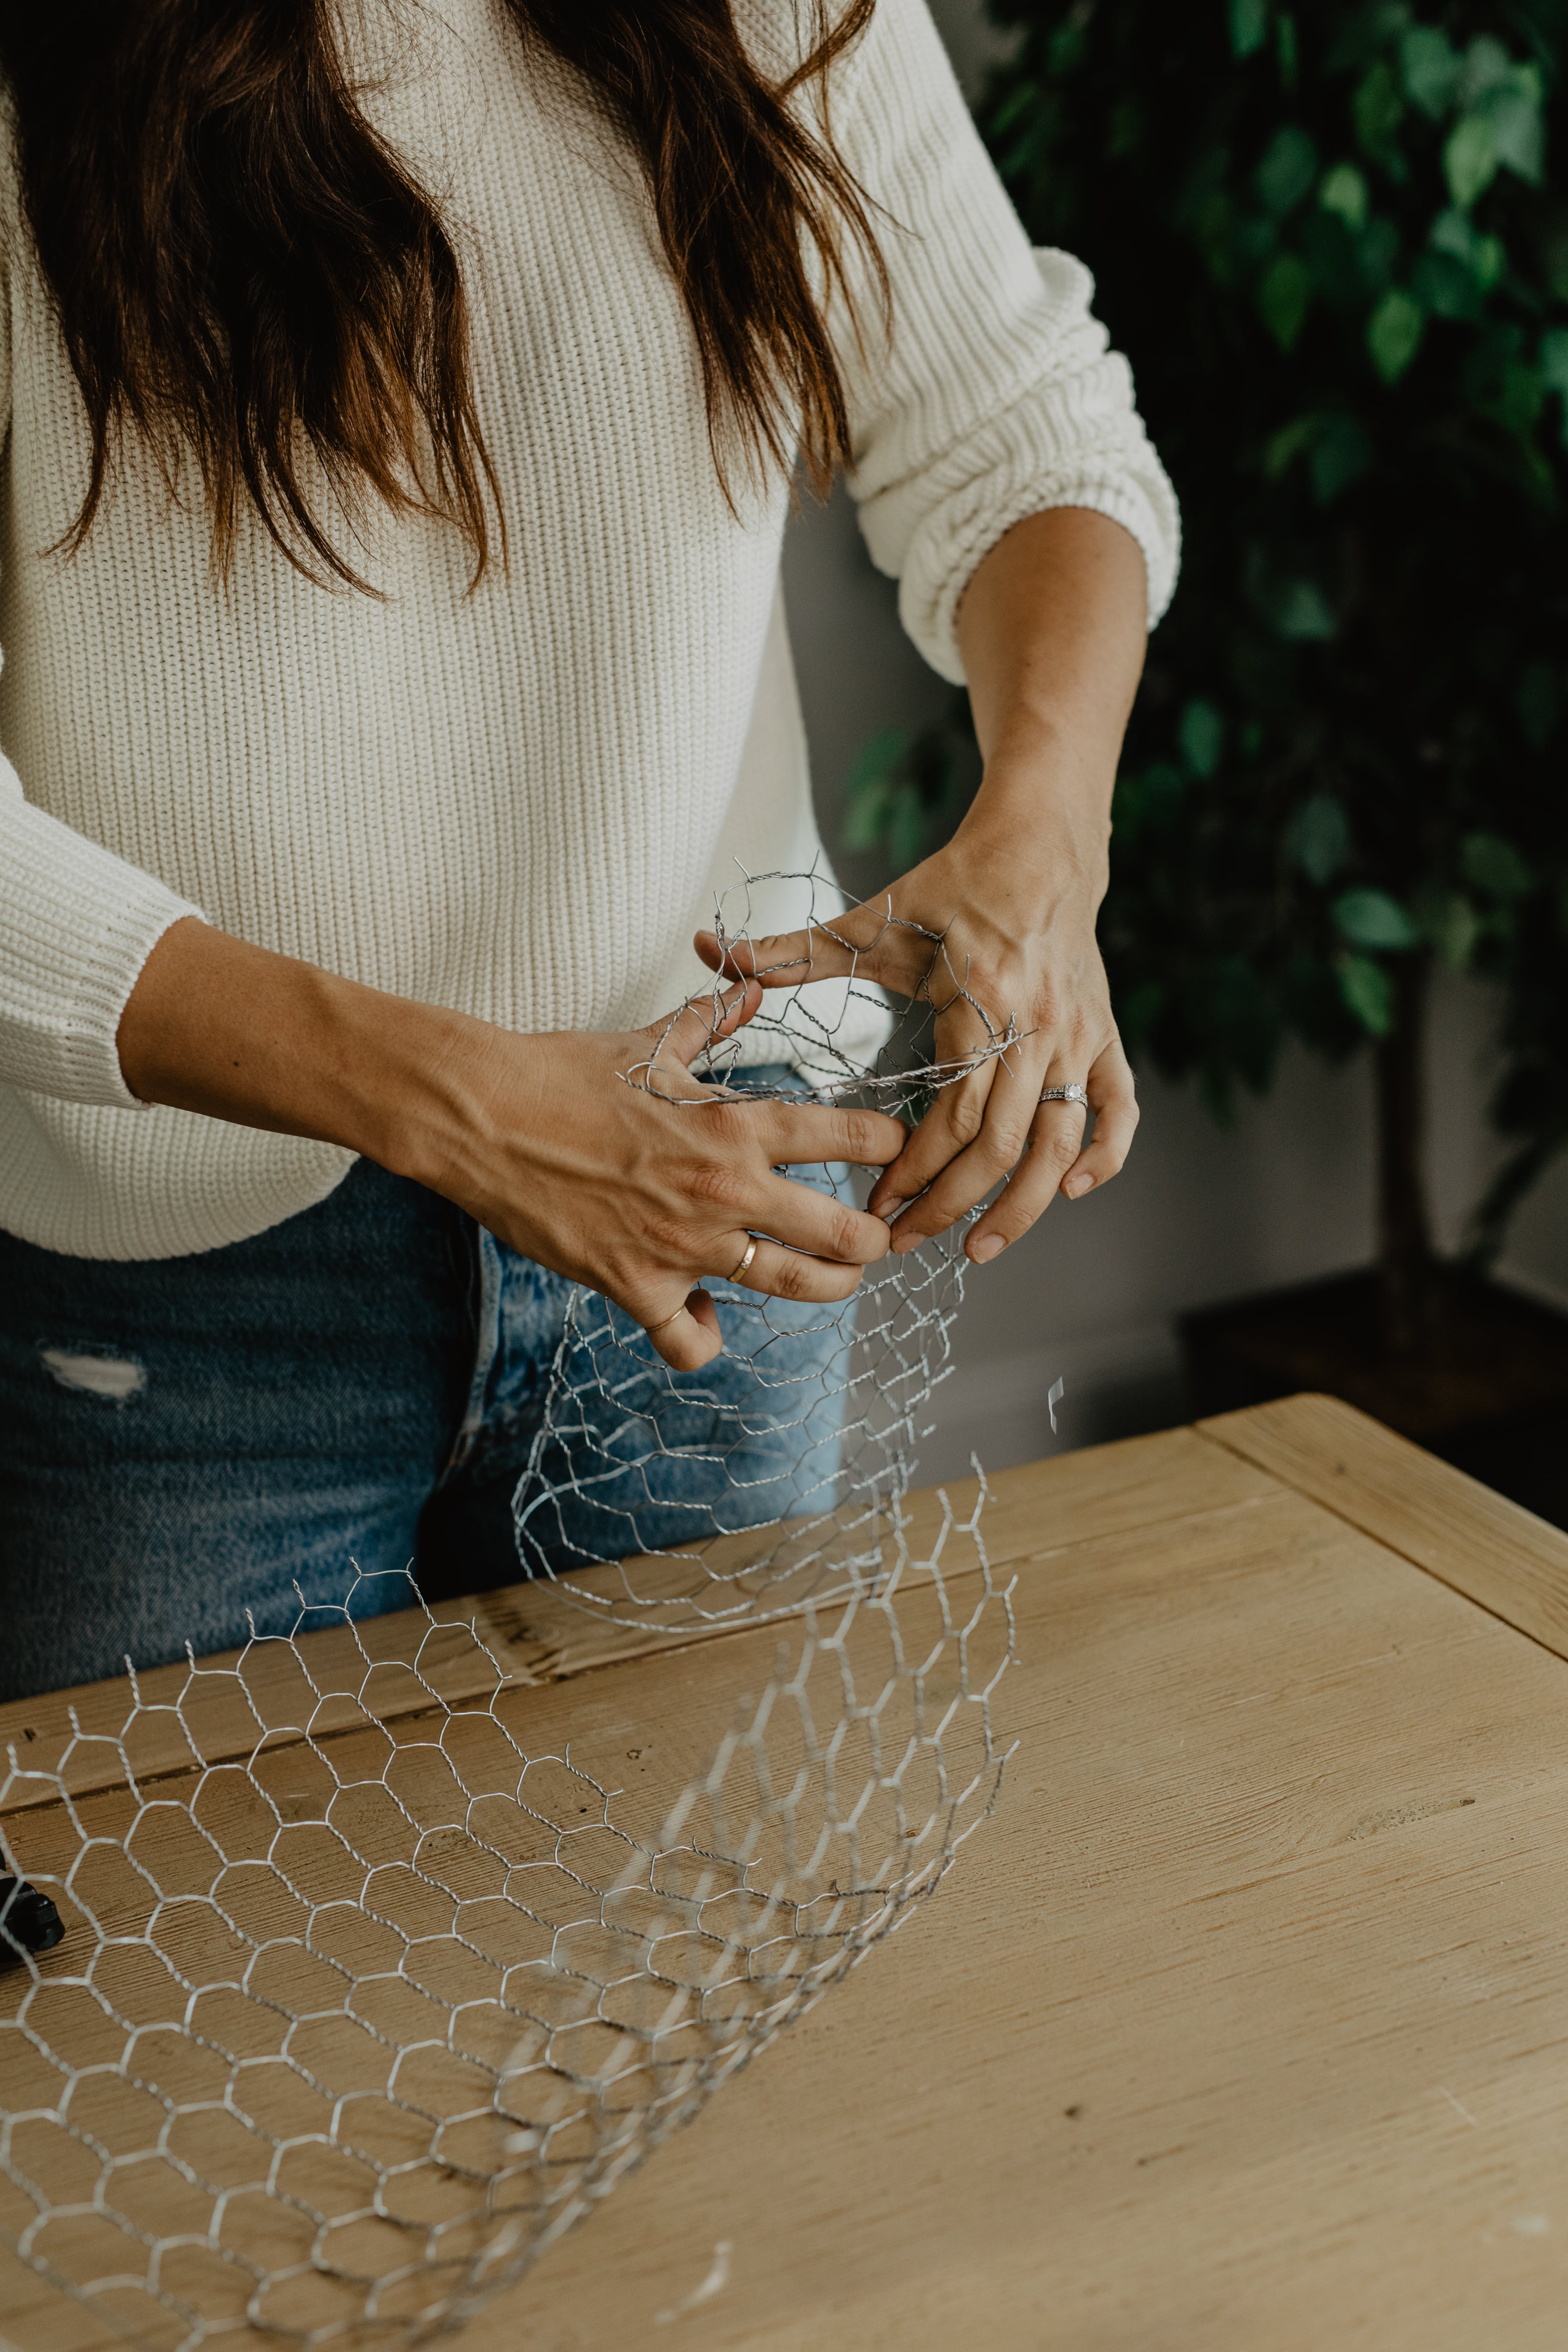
(745, 1265)
(651, 1328)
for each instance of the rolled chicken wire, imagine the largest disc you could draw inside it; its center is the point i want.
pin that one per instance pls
(379, 1968)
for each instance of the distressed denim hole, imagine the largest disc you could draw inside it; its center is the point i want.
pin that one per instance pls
(116, 1379)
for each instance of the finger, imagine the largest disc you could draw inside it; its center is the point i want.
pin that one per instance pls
(1053, 1144)
(677, 1038)
(998, 1086)
(1113, 1094)
(687, 1336)
(803, 1218)
(951, 1125)
(1052, 1133)
(779, 1273)
(869, 941)
(805, 1133)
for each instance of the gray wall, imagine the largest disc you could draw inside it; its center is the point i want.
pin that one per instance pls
(1198, 1216)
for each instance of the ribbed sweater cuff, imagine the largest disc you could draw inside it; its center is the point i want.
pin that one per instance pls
(934, 582)
(79, 923)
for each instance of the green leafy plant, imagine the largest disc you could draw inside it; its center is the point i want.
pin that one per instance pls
(1331, 241)
(909, 787)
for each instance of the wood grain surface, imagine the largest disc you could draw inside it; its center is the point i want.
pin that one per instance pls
(538, 1634)
(1489, 1549)
(1243, 2027)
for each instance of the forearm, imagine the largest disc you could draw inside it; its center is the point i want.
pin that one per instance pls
(216, 1025)
(534, 1135)
(1052, 630)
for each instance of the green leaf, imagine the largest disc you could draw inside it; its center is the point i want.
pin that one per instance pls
(1128, 124)
(1341, 452)
(1538, 704)
(1301, 614)
(1518, 401)
(1344, 192)
(1450, 926)
(1248, 26)
(1371, 919)
(1495, 866)
(1510, 100)
(1518, 134)
(1139, 1011)
(1065, 46)
(1455, 234)
(1393, 334)
(1150, 798)
(1288, 170)
(870, 787)
(1446, 288)
(1318, 838)
(1341, 456)
(866, 815)
(1377, 250)
(1286, 49)
(1430, 67)
(1020, 105)
(1368, 993)
(1552, 360)
(1201, 737)
(1379, 111)
(879, 759)
(1283, 298)
(1487, 67)
(1471, 160)
(909, 827)
(1281, 451)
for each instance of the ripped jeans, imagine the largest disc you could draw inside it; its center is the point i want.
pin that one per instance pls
(184, 1439)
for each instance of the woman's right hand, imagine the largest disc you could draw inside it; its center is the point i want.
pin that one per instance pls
(603, 1159)
(600, 1157)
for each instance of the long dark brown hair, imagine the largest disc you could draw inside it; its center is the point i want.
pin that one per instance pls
(244, 269)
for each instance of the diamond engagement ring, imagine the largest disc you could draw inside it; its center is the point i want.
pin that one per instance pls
(1066, 1094)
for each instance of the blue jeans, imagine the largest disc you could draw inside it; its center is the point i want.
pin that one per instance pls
(366, 1383)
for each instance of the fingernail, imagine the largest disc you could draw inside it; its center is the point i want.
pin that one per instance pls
(903, 1240)
(1077, 1186)
(988, 1246)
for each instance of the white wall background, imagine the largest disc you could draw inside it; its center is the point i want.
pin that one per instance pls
(1198, 1216)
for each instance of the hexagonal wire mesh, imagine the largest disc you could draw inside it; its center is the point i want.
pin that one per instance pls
(376, 1975)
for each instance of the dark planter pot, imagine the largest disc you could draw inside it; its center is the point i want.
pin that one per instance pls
(1488, 1389)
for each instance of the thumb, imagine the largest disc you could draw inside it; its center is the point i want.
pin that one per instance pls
(780, 960)
(677, 1038)
(870, 942)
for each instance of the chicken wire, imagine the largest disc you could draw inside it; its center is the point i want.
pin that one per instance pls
(378, 1971)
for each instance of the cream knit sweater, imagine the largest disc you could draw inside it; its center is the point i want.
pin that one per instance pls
(512, 803)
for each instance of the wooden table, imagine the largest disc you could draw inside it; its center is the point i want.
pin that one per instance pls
(1243, 2027)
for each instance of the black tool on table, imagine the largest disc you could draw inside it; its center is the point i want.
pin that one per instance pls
(28, 1922)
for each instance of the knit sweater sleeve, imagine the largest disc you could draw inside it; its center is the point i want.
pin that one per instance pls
(77, 924)
(997, 396)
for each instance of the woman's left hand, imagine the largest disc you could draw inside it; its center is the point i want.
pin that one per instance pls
(998, 928)
(1015, 943)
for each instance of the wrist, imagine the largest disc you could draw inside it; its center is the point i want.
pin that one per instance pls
(1045, 796)
(234, 1032)
(1038, 840)
(413, 1083)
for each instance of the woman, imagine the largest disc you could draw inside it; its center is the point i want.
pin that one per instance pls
(402, 404)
